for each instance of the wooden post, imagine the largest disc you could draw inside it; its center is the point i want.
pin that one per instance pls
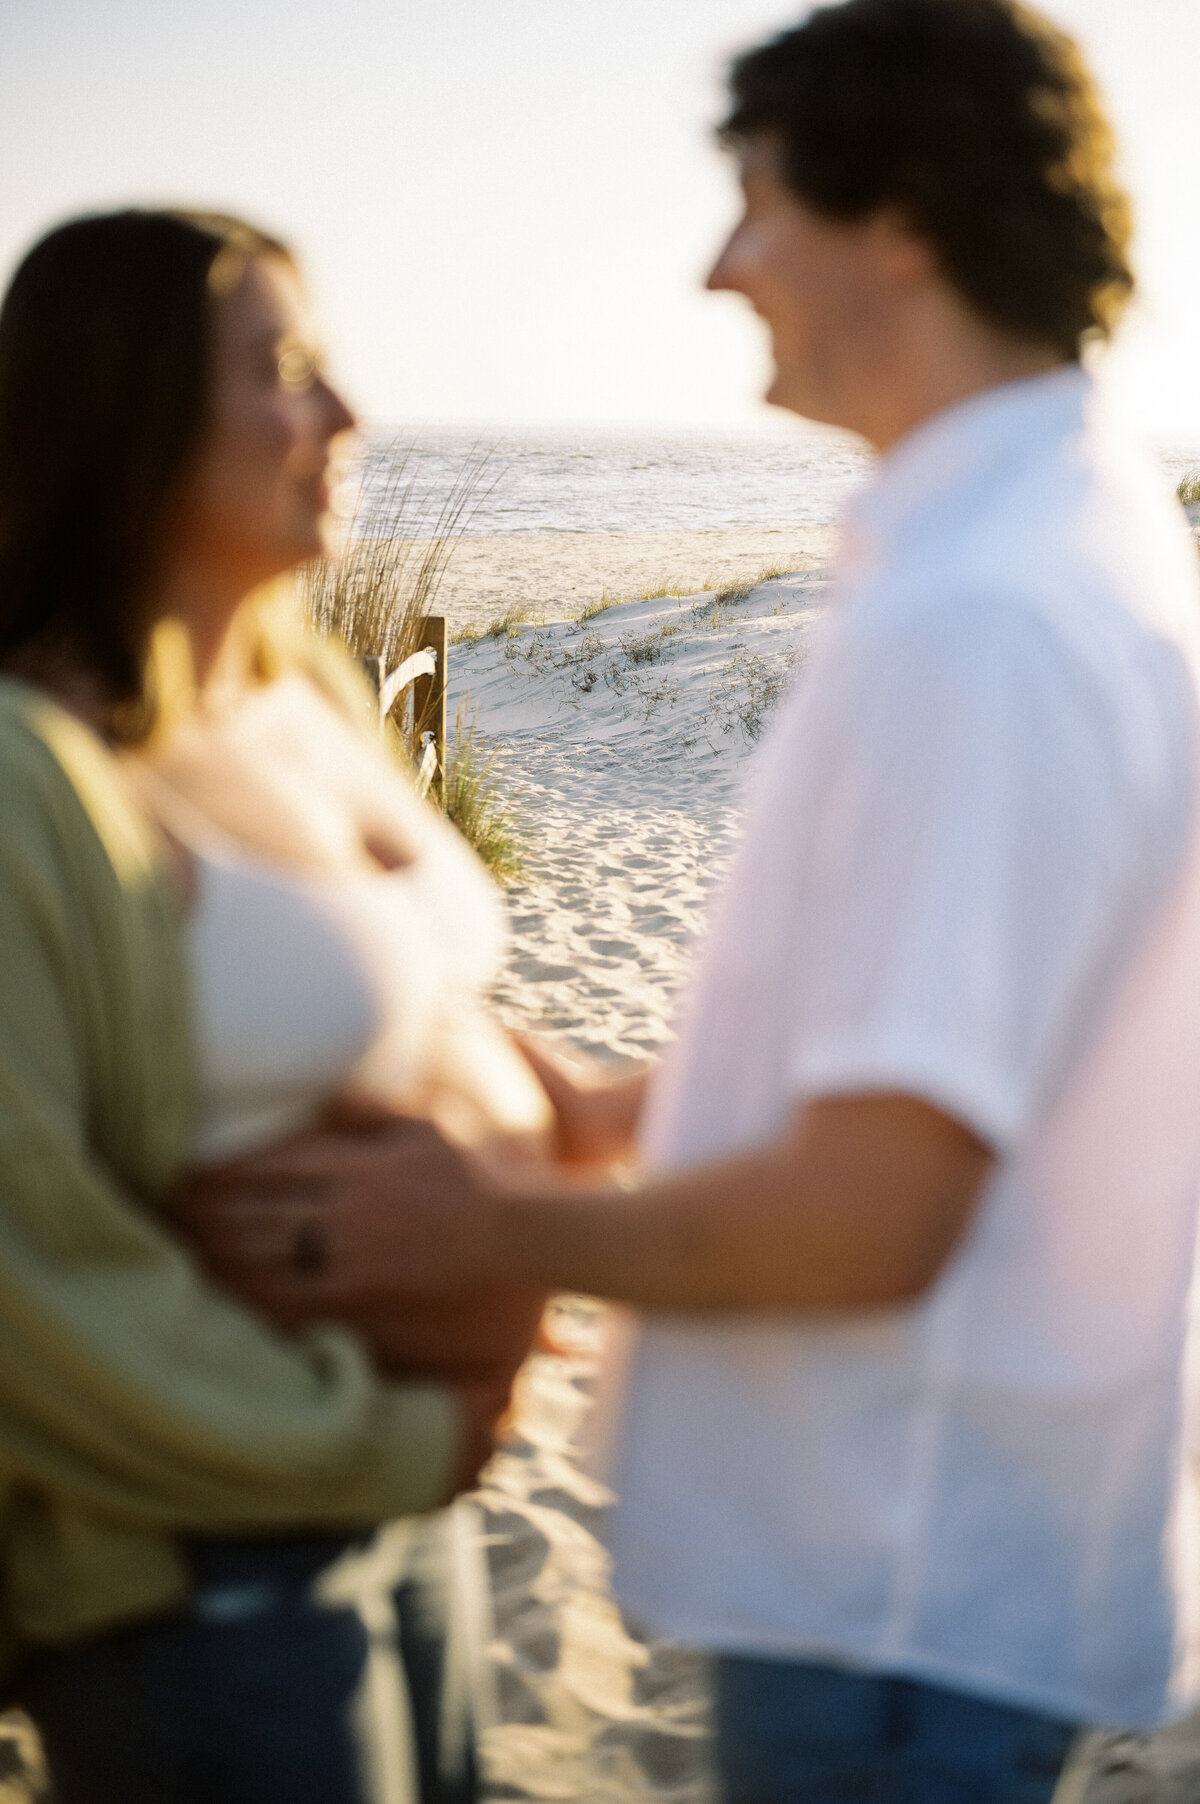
(429, 702)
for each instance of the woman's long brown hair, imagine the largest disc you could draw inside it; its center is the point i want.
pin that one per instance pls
(105, 374)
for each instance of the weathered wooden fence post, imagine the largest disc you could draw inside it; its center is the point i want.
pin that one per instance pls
(429, 703)
(424, 672)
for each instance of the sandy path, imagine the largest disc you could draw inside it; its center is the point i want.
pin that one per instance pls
(626, 739)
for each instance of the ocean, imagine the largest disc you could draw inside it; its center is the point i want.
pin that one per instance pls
(579, 479)
(609, 479)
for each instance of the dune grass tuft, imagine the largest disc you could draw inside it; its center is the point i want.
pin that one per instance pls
(730, 594)
(648, 648)
(477, 802)
(671, 589)
(503, 626)
(1188, 490)
(506, 624)
(590, 609)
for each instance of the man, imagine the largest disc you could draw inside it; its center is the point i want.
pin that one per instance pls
(912, 1241)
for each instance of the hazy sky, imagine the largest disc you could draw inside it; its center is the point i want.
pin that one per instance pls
(506, 206)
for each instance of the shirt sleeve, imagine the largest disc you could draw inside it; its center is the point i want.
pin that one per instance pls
(982, 850)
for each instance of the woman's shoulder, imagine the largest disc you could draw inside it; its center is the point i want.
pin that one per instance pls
(25, 714)
(44, 752)
(64, 788)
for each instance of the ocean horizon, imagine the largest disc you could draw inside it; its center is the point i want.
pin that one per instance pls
(612, 478)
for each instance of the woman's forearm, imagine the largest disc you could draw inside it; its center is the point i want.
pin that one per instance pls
(619, 1106)
(596, 1117)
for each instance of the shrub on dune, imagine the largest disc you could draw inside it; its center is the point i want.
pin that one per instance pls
(477, 801)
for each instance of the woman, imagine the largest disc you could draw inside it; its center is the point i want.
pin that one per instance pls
(220, 909)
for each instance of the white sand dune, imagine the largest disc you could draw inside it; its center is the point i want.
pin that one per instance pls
(558, 574)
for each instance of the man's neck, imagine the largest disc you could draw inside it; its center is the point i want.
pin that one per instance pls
(941, 355)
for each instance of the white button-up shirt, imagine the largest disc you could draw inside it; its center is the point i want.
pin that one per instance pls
(970, 873)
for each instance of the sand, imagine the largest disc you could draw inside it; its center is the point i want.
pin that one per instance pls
(625, 740)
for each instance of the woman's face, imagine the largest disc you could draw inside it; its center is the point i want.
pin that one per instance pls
(257, 502)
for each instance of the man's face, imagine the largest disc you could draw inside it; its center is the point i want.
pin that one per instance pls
(824, 287)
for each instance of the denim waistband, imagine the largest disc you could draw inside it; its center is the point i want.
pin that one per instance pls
(246, 1575)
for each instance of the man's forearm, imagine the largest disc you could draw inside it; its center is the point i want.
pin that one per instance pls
(859, 1207)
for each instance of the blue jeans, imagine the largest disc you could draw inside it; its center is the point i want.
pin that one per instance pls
(793, 1733)
(255, 1693)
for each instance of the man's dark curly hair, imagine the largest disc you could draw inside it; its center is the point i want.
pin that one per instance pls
(979, 121)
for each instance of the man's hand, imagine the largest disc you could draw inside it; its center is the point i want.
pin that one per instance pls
(313, 1230)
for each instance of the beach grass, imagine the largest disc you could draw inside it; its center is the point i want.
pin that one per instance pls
(375, 593)
(670, 589)
(1188, 490)
(648, 648)
(730, 594)
(477, 801)
(520, 614)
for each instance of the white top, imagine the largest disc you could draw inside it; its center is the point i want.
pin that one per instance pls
(970, 873)
(308, 982)
(295, 983)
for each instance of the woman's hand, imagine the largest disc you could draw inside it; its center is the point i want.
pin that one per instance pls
(596, 1116)
(485, 1410)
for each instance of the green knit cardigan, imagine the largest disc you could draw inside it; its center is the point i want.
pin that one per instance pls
(137, 1404)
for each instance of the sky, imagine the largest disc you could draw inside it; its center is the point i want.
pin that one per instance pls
(506, 207)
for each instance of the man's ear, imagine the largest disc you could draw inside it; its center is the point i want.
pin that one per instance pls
(905, 257)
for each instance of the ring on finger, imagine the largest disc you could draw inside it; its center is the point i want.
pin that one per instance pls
(310, 1249)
